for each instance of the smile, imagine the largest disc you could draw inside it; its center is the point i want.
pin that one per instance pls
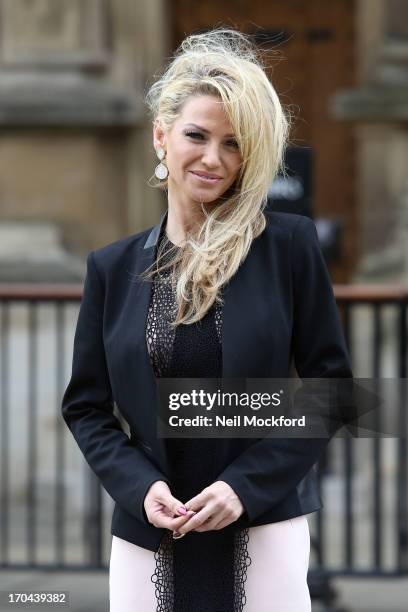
(205, 179)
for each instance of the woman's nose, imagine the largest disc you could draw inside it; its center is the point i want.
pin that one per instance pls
(211, 156)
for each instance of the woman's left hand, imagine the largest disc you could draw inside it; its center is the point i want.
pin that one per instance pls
(217, 506)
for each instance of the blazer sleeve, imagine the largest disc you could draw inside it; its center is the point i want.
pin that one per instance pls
(264, 474)
(87, 408)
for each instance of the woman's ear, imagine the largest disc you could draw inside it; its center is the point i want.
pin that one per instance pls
(158, 135)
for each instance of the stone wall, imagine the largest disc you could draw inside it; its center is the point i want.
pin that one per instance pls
(75, 140)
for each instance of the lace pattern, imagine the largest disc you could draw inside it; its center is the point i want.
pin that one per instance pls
(204, 571)
(242, 561)
(162, 309)
(163, 575)
(207, 590)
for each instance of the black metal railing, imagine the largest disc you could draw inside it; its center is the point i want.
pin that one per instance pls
(387, 525)
(38, 520)
(395, 299)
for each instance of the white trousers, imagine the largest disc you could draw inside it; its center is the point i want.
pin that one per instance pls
(276, 579)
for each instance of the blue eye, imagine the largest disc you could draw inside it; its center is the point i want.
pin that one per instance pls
(233, 143)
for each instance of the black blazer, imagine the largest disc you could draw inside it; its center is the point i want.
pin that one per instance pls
(279, 311)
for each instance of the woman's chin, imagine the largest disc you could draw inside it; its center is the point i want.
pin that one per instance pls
(204, 197)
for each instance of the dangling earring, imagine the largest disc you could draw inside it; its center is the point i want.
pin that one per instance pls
(161, 171)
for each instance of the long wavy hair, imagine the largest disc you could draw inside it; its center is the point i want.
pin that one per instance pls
(224, 63)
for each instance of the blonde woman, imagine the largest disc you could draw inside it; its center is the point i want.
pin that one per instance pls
(219, 288)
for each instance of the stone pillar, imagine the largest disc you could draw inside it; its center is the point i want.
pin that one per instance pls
(75, 138)
(379, 107)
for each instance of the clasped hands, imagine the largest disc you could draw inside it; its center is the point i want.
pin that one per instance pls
(214, 508)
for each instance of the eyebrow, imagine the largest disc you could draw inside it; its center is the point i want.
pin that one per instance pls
(207, 131)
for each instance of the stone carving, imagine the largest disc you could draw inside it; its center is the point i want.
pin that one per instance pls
(52, 32)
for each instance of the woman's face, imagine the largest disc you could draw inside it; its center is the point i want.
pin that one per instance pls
(202, 154)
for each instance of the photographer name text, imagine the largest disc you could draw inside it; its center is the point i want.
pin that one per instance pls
(236, 421)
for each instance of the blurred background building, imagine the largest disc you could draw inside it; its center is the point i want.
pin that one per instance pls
(76, 146)
(76, 155)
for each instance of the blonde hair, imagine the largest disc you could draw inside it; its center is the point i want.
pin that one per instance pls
(224, 63)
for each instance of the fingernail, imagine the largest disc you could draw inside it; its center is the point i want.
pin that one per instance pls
(177, 535)
(181, 510)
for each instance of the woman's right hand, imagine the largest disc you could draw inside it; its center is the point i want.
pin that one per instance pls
(161, 507)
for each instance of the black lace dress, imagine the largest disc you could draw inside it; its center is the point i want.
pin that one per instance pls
(202, 571)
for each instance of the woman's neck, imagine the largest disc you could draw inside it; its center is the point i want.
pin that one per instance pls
(181, 220)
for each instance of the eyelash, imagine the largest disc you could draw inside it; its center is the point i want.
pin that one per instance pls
(233, 143)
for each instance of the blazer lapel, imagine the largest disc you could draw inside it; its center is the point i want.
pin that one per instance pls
(143, 379)
(237, 308)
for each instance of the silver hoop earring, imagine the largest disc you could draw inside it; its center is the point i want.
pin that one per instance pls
(161, 171)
